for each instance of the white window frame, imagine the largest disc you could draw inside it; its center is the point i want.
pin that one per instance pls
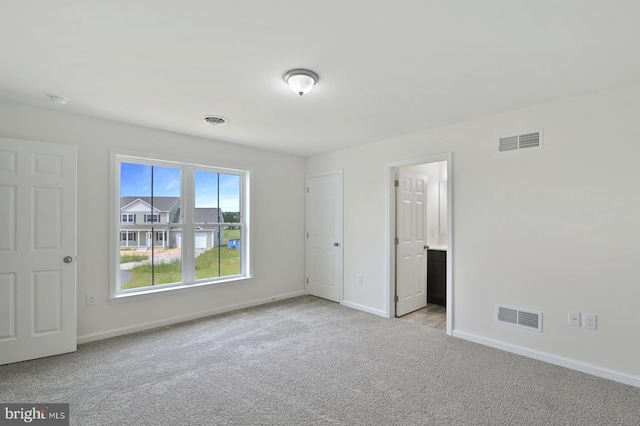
(189, 283)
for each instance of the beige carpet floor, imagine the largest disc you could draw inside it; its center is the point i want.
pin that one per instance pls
(306, 361)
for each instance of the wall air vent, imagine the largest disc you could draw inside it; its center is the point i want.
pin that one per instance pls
(527, 140)
(525, 318)
(215, 120)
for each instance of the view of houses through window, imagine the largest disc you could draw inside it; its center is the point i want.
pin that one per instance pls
(167, 237)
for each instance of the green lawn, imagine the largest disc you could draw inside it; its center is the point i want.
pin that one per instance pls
(164, 273)
(230, 234)
(126, 258)
(207, 266)
(207, 263)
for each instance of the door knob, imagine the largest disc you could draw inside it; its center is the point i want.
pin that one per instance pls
(426, 247)
(336, 244)
(67, 259)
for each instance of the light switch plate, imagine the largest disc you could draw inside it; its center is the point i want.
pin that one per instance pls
(574, 318)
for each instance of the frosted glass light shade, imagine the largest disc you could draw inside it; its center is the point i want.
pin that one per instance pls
(301, 81)
(301, 84)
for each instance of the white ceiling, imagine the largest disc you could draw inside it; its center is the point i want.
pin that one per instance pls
(386, 68)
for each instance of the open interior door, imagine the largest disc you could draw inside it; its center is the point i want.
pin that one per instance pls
(411, 242)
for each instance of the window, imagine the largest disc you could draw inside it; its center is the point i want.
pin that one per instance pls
(203, 237)
(127, 236)
(151, 218)
(128, 217)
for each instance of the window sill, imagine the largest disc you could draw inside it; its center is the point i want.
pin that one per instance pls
(159, 292)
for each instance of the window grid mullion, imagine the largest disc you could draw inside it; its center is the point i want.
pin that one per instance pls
(188, 229)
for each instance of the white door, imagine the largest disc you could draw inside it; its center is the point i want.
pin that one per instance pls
(411, 247)
(324, 235)
(37, 250)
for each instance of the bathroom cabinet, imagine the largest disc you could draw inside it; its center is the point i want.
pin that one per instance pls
(437, 277)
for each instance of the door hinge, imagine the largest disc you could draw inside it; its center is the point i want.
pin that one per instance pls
(396, 183)
(307, 280)
(397, 299)
(307, 235)
(396, 240)
(307, 189)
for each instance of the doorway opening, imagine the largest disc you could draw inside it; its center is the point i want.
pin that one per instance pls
(420, 240)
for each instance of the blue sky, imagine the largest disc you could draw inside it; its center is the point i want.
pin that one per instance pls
(135, 180)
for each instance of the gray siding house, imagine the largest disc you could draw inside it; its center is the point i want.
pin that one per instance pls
(145, 222)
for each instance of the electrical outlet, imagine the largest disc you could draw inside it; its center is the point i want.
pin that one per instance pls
(90, 300)
(591, 321)
(574, 318)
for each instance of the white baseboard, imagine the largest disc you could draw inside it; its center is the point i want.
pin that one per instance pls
(181, 318)
(364, 308)
(594, 370)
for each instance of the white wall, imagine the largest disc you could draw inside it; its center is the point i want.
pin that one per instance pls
(552, 229)
(277, 217)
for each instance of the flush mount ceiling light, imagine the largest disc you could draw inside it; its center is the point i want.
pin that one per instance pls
(215, 120)
(301, 81)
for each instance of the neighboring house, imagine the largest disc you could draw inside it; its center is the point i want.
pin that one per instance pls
(207, 236)
(142, 225)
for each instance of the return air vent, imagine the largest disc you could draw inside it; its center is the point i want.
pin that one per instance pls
(519, 317)
(527, 140)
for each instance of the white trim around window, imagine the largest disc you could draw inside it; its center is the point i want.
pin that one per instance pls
(188, 230)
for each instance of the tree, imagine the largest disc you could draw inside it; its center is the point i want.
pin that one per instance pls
(230, 217)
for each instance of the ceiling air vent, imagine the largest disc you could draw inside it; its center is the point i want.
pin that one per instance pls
(527, 140)
(525, 318)
(214, 120)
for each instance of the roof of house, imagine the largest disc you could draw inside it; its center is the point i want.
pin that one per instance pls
(167, 204)
(207, 215)
(163, 204)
